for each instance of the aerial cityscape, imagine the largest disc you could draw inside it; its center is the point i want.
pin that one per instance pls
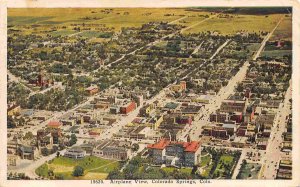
(149, 93)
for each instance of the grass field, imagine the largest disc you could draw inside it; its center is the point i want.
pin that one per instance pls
(284, 30)
(224, 160)
(135, 17)
(117, 18)
(171, 169)
(250, 23)
(93, 166)
(276, 53)
(62, 32)
(205, 160)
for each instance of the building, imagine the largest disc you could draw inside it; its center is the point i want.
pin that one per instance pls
(183, 120)
(178, 87)
(13, 110)
(146, 110)
(43, 80)
(44, 138)
(230, 128)
(27, 152)
(174, 153)
(285, 169)
(75, 152)
(128, 107)
(54, 124)
(262, 144)
(111, 149)
(12, 160)
(229, 105)
(92, 90)
(216, 132)
(219, 117)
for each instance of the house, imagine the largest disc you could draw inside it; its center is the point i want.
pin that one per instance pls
(75, 152)
(54, 124)
(43, 80)
(27, 152)
(92, 90)
(12, 160)
(44, 138)
(178, 87)
(13, 110)
(175, 153)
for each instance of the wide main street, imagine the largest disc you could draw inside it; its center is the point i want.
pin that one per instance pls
(272, 157)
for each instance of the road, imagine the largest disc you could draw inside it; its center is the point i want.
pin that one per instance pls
(214, 104)
(256, 55)
(239, 164)
(156, 41)
(182, 18)
(272, 157)
(198, 23)
(74, 34)
(29, 170)
(136, 50)
(219, 49)
(196, 49)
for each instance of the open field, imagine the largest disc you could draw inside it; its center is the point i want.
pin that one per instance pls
(93, 166)
(171, 169)
(284, 30)
(276, 53)
(118, 18)
(205, 161)
(250, 23)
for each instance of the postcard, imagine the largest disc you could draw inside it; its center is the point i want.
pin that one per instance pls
(111, 93)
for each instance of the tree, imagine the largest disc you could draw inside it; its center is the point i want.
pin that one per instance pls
(78, 171)
(73, 139)
(115, 174)
(28, 135)
(135, 147)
